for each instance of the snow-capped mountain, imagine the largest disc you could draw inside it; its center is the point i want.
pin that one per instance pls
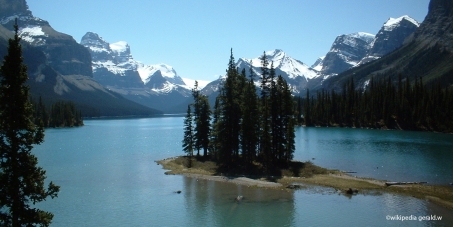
(59, 67)
(346, 52)
(285, 65)
(318, 64)
(351, 50)
(147, 72)
(113, 65)
(296, 73)
(115, 68)
(190, 83)
(390, 37)
(427, 53)
(63, 52)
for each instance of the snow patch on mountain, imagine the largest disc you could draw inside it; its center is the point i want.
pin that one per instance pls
(318, 64)
(356, 49)
(114, 67)
(394, 22)
(120, 47)
(32, 31)
(367, 37)
(293, 68)
(167, 72)
(33, 35)
(191, 82)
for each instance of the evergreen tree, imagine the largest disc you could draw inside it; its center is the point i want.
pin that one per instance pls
(203, 124)
(230, 117)
(188, 141)
(264, 78)
(265, 145)
(214, 141)
(384, 104)
(274, 103)
(250, 121)
(202, 119)
(197, 112)
(288, 122)
(21, 180)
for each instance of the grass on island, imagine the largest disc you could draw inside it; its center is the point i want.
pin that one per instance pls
(180, 165)
(308, 173)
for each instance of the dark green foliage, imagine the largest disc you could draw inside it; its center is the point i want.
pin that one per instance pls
(265, 144)
(21, 180)
(247, 128)
(188, 141)
(400, 104)
(250, 124)
(202, 121)
(414, 59)
(230, 116)
(60, 114)
(214, 141)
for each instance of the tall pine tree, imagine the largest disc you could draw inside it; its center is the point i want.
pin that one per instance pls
(188, 141)
(265, 144)
(250, 122)
(21, 180)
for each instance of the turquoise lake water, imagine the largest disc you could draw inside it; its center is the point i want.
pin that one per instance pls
(108, 177)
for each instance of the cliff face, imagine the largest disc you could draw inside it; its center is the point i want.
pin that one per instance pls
(58, 67)
(392, 35)
(346, 51)
(437, 27)
(113, 64)
(63, 53)
(427, 54)
(10, 7)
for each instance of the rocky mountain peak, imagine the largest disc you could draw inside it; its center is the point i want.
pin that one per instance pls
(436, 28)
(393, 23)
(355, 49)
(427, 53)
(122, 51)
(93, 40)
(346, 52)
(295, 72)
(14, 7)
(391, 36)
(147, 72)
(275, 54)
(62, 52)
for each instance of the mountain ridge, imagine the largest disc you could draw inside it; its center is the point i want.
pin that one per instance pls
(58, 67)
(427, 53)
(156, 86)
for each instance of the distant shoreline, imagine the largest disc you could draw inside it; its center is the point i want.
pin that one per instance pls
(438, 194)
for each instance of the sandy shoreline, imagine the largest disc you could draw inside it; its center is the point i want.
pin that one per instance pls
(236, 180)
(198, 174)
(441, 195)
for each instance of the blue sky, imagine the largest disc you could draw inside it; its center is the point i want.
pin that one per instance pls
(195, 36)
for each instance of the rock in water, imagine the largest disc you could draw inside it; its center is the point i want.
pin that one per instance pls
(352, 191)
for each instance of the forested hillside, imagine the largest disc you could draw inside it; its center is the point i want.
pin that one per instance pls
(384, 104)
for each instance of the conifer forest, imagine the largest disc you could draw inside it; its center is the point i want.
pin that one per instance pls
(250, 125)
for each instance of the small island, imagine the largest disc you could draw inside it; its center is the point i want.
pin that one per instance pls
(301, 174)
(248, 139)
